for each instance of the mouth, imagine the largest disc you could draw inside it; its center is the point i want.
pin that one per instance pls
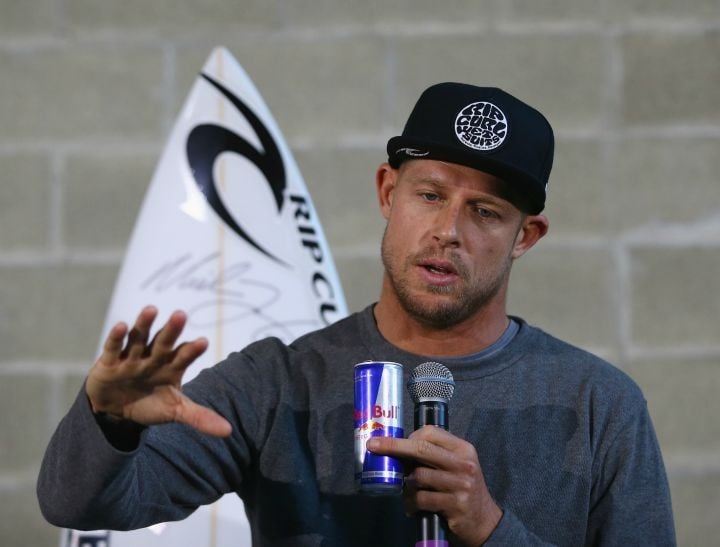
(439, 271)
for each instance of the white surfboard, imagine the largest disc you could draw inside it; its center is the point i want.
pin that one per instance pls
(228, 233)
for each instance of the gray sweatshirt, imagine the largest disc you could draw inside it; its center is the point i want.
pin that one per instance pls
(564, 440)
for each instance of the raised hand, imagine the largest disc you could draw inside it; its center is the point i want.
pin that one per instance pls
(447, 479)
(139, 380)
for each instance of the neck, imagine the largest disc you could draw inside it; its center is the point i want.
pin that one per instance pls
(472, 335)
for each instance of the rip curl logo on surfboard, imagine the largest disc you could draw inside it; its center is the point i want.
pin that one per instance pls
(207, 141)
(481, 126)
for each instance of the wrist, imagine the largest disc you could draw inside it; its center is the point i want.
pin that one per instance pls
(102, 414)
(492, 516)
(108, 418)
(123, 434)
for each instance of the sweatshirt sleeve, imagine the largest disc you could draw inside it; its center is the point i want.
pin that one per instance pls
(626, 497)
(511, 531)
(79, 464)
(630, 502)
(88, 482)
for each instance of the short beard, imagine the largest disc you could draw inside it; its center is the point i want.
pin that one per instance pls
(471, 296)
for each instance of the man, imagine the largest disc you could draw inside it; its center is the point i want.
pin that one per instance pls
(548, 445)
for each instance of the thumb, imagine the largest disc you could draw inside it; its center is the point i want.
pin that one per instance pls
(202, 419)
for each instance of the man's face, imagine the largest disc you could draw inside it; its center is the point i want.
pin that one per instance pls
(449, 241)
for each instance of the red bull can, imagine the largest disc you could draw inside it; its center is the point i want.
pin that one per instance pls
(378, 413)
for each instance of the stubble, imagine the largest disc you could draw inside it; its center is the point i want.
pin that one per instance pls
(461, 300)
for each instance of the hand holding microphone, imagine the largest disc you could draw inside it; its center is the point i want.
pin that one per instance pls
(447, 480)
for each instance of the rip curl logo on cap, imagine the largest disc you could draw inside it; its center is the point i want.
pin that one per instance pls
(481, 126)
(414, 152)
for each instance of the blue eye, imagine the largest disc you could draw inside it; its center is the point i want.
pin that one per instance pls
(485, 213)
(428, 196)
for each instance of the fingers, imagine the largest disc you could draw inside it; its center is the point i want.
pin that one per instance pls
(187, 352)
(438, 436)
(428, 501)
(172, 366)
(438, 480)
(139, 334)
(429, 446)
(114, 343)
(439, 491)
(164, 341)
(113, 349)
(160, 351)
(129, 368)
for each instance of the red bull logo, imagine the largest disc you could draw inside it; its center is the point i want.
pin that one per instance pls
(391, 413)
(371, 425)
(378, 411)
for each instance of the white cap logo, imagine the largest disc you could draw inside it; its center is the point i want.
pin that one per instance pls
(481, 126)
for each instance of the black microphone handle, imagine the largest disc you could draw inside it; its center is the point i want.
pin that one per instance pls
(431, 527)
(431, 413)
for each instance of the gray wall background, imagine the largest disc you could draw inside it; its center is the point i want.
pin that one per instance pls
(630, 270)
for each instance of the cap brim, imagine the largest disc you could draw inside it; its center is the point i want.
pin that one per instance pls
(525, 186)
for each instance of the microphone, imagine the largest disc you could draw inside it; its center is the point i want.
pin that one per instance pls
(431, 387)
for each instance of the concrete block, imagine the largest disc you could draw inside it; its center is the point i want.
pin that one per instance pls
(24, 423)
(21, 522)
(103, 195)
(321, 89)
(567, 292)
(683, 402)
(568, 89)
(20, 19)
(377, 12)
(656, 9)
(361, 279)
(81, 92)
(659, 181)
(180, 17)
(342, 185)
(578, 199)
(25, 201)
(53, 312)
(696, 504)
(549, 10)
(668, 78)
(675, 296)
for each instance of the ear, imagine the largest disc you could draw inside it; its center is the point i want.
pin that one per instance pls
(385, 180)
(531, 230)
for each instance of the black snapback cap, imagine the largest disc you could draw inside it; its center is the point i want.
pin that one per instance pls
(484, 128)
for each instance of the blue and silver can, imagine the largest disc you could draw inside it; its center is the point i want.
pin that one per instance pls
(378, 413)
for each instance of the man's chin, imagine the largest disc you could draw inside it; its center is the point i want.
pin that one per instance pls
(437, 312)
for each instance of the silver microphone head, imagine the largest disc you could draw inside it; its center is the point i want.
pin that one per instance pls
(431, 381)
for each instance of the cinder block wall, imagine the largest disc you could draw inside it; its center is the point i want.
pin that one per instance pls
(630, 270)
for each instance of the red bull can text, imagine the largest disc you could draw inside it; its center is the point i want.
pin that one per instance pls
(378, 413)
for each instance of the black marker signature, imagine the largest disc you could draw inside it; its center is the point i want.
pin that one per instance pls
(230, 287)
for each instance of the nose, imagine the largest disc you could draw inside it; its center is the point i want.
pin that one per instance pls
(445, 227)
